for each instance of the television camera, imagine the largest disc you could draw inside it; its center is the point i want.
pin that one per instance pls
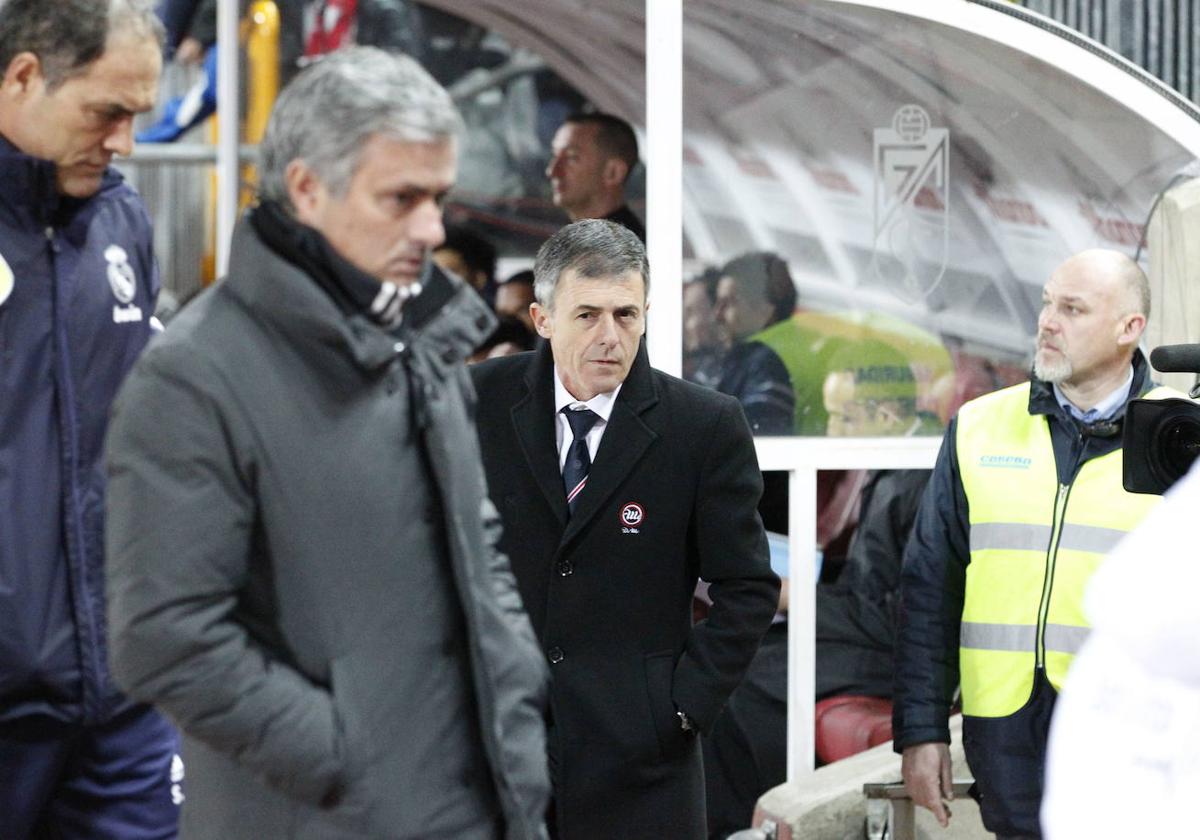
(1162, 437)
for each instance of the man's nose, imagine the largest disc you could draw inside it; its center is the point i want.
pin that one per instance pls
(552, 166)
(608, 331)
(428, 230)
(120, 139)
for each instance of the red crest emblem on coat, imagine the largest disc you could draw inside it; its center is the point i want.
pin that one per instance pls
(632, 514)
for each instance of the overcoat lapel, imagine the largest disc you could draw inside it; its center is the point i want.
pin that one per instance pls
(625, 440)
(533, 421)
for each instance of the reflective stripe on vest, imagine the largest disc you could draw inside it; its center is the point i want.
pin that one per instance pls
(1061, 638)
(1011, 536)
(1034, 546)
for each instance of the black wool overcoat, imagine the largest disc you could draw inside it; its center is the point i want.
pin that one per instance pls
(671, 496)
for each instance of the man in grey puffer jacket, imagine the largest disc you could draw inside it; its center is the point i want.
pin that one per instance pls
(301, 562)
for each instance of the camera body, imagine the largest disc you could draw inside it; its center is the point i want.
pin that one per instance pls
(1161, 440)
(1162, 437)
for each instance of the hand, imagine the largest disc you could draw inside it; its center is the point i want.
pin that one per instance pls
(926, 772)
(189, 51)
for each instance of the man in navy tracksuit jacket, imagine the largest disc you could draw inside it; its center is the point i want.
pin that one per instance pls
(77, 290)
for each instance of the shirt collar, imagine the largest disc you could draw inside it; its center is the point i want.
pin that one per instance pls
(1104, 409)
(601, 403)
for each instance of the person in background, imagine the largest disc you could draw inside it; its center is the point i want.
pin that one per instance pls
(618, 487)
(301, 561)
(746, 753)
(1025, 499)
(510, 337)
(78, 284)
(471, 257)
(514, 296)
(754, 292)
(592, 157)
(704, 343)
(869, 391)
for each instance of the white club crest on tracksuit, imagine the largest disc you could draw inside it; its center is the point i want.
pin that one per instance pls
(123, 283)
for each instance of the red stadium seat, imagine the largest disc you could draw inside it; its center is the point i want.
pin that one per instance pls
(848, 724)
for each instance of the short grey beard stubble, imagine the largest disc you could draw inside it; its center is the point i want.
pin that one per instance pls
(1054, 372)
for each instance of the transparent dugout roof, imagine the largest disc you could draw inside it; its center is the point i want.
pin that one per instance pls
(915, 167)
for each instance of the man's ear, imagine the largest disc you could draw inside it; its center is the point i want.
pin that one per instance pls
(23, 75)
(306, 191)
(541, 319)
(614, 172)
(1130, 329)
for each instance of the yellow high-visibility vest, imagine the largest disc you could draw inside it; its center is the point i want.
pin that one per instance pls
(1034, 545)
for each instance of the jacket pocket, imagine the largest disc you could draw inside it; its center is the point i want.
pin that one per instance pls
(660, 674)
(354, 801)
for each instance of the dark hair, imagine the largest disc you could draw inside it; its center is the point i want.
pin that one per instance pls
(593, 248)
(68, 35)
(478, 253)
(766, 275)
(520, 278)
(509, 329)
(709, 278)
(614, 136)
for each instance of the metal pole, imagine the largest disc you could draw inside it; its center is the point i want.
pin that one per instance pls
(802, 621)
(664, 180)
(228, 128)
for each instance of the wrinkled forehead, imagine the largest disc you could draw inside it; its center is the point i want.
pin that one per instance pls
(582, 287)
(125, 75)
(1077, 282)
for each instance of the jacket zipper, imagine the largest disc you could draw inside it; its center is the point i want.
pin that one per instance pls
(1061, 495)
(86, 635)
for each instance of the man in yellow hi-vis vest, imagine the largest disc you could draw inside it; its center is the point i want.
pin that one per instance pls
(1024, 502)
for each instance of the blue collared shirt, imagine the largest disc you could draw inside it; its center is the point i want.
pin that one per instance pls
(1104, 409)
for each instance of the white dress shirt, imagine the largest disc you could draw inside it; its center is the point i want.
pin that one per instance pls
(601, 404)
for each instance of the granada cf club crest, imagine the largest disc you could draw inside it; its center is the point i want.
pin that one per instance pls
(912, 199)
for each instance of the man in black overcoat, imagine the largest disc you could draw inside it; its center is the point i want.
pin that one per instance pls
(607, 535)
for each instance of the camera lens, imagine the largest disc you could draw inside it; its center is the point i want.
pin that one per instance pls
(1176, 445)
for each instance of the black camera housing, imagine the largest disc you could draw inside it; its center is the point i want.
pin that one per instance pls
(1161, 440)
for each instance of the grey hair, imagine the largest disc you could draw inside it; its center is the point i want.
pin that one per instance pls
(595, 249)
(333, 107)
(68, 35)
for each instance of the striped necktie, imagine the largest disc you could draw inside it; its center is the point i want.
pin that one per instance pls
(575, 470)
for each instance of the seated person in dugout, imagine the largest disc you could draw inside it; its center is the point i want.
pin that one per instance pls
(746, 753)
(755, 291)
(779, 354)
